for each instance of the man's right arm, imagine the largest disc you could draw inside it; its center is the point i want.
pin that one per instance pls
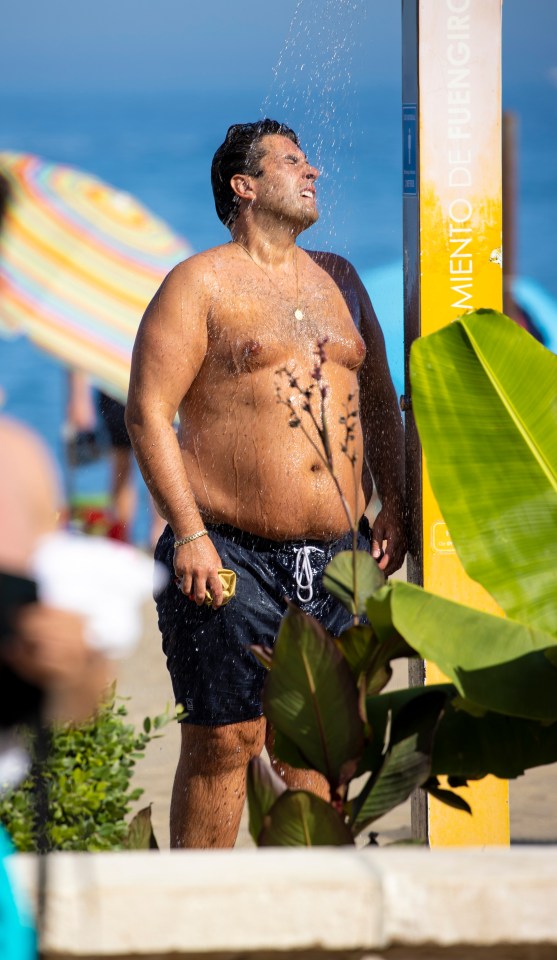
(169, 350)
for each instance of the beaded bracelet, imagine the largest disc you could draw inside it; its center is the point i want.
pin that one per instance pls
(193, 536)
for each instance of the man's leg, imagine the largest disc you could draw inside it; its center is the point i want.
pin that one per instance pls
(210, 784)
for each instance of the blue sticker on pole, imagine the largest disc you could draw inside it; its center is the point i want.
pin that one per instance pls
(409, 150)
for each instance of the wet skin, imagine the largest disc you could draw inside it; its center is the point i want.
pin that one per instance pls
(246, 466)
(209, 346)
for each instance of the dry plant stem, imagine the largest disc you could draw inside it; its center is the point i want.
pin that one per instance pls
(355, 547)
(328, 460)
(326, 454)
(324, 459)
(352, 457)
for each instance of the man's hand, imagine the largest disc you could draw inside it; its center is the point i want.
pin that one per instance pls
(389, 539)
(196, 566)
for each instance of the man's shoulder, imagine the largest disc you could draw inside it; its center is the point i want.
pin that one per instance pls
(337, 266)
(200, 262)
(200, 271)
(339, 269)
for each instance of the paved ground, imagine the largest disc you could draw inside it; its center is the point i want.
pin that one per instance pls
(144, 679)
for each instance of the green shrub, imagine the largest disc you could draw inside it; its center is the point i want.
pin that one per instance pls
(89, 773)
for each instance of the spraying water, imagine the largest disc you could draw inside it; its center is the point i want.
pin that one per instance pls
(312, 90)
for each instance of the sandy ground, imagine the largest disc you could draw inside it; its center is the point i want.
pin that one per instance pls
(144, 679)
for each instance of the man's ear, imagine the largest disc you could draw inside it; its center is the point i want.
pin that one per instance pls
(241, 185)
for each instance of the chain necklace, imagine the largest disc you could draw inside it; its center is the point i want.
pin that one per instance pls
(298, 312)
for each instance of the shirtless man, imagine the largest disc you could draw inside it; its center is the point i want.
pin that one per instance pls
(238, 486)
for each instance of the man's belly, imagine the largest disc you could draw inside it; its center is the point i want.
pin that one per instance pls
(268, 480)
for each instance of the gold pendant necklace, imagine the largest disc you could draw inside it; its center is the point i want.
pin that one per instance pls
(298, 312)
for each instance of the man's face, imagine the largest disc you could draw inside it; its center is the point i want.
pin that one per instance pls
(286, 186)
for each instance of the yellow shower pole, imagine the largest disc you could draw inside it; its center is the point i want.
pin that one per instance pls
(452, 190)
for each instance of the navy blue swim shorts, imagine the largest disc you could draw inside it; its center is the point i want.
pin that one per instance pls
(214, 675)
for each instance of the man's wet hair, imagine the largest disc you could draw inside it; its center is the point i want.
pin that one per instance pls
(241, 152)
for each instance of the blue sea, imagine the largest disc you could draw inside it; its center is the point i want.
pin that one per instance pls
(159, 148)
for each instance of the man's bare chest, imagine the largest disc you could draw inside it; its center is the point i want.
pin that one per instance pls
(257, 326)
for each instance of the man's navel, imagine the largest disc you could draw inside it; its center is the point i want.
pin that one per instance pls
(251, 349)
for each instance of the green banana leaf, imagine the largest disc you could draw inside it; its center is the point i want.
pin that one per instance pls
(264, 787)
(300, 819)
(286, 750)
(484, 394)
(141, 835)
(454, 800)
(338, 579)
(359, 646)
(406, 761)
(369, 658)
(499, 664)
(506, 747)
(466, 746)
(311, 697)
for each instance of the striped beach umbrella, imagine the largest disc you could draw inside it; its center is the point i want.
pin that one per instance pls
(79, 262)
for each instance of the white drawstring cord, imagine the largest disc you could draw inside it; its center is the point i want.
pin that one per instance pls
(304, 574)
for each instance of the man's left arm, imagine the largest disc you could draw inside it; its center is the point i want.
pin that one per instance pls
(383, 435)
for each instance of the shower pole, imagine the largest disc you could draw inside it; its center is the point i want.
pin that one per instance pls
(452, 193)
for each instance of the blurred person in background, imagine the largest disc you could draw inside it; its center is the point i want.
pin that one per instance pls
(83, 413)
(48, 670)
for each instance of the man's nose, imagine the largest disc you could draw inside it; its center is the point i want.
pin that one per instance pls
(312, 173)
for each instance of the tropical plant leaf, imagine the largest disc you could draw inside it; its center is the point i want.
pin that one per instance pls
(358, 645)
(472, 747)
(301, 819)
(496, 663)
(484, 394)
(467, 746)
(264, 787)
(338, 579)
(378, 679)
(366, 658)
(140, 834)
(406, 762)
(311, 696)
(370, 656)
(456, 782)
(286, 750)
(380, 711)
(447, 797)
(378, 610)
(262, 653)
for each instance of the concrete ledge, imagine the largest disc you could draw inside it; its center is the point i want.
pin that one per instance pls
(219, 905)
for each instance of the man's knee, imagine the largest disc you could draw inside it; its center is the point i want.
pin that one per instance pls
(208, 750)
